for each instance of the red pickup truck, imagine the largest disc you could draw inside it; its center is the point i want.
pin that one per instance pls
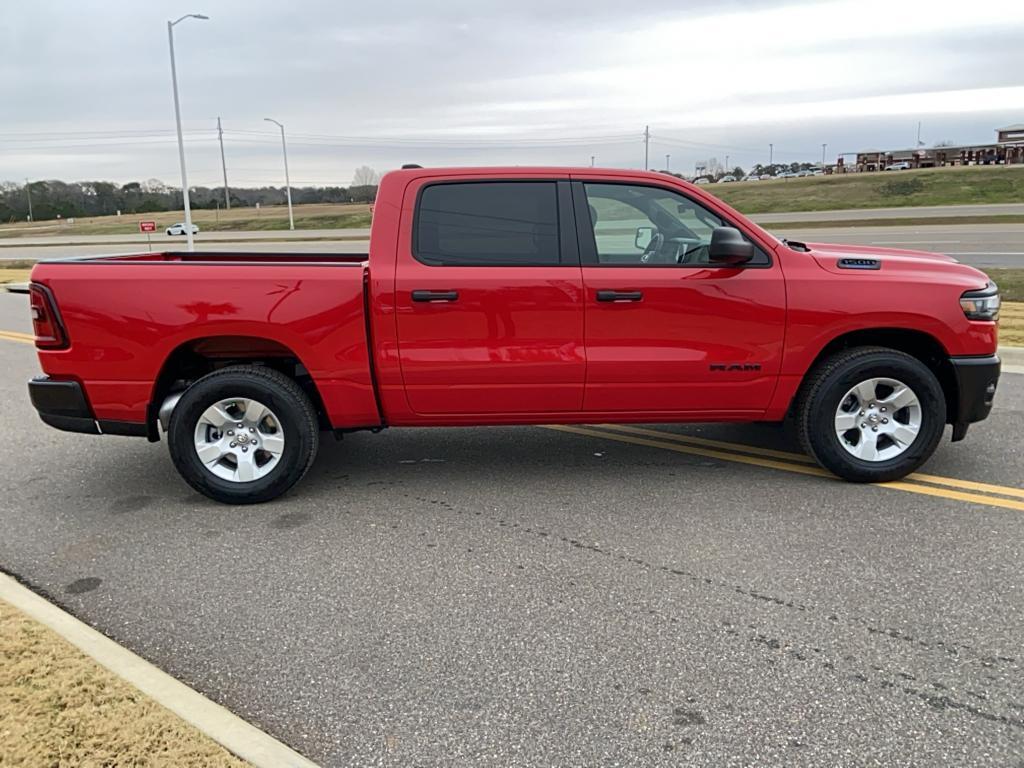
(517, 296)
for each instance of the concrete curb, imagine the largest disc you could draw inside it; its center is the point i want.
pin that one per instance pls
(227, 729)
(16, 287)
(1012, 358)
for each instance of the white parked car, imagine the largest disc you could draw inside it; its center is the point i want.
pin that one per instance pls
(751, 177)
(726, 179)
(904, 166)
(702, 180)
(179, 229)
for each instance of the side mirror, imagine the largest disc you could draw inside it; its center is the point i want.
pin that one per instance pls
(643, 238)
(729, 247)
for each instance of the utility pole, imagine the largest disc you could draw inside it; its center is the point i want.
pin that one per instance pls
(667, 167)
(287, 181)
(591, 161)
(919, 142)
(647, 144)
(823, 156)
(223, 166)
(727, 164)
(771, 156)
(28, 191)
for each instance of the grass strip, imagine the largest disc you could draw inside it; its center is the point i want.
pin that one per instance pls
(60, 708)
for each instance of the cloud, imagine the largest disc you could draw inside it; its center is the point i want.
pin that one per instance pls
(466, 81)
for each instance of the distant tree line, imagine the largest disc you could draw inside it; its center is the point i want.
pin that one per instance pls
(66, 200)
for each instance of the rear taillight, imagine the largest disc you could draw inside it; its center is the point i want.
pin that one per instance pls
(46, 320)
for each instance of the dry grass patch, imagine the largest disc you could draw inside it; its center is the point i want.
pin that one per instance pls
(60, 708)
(1011, 324)
(15, 275)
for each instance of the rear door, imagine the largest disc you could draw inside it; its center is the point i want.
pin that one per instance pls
(666, 330)
(489, 298)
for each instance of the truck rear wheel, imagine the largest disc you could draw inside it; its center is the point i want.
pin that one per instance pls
(871, 414)
(243, 434)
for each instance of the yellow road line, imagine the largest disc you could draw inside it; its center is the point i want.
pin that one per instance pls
(803, 469)
(25, 338)
(784, 455)
(971, 485)
(919, 477)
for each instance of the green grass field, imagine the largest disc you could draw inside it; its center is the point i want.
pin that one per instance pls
(893, 189)
(318, 216)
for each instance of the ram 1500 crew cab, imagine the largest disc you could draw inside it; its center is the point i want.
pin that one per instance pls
(517, 296)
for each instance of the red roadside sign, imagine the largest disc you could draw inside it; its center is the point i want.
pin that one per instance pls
(147, 226)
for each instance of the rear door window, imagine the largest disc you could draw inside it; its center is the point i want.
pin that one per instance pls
(488, 224)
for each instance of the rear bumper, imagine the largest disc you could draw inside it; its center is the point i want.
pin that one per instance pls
(62, 405)
(976, 382)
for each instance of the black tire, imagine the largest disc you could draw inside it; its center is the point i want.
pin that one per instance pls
(276, 391)
(829, 382)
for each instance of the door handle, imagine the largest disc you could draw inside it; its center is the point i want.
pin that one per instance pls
(435, 295)
(608, 295)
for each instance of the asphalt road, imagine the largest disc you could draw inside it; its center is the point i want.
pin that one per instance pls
(983, 245)
(528, 596)
(921, 212)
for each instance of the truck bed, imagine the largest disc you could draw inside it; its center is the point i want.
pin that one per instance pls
(127, 315)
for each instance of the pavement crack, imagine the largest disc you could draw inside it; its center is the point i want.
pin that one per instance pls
(890, 681)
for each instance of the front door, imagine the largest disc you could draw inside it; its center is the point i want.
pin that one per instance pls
(489, 300)
(666, 330)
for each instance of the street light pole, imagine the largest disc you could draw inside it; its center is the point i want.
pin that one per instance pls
(667, 168)
(287, 181)
(28, 191)
(823, 157)
(177, 121)
(771, 157)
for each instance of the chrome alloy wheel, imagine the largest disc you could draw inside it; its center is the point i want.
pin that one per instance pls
(239, 439)
(878, 419)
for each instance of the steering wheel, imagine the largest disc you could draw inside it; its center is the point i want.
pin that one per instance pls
(653, 247)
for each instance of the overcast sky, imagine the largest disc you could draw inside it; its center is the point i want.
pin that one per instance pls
(85, 87)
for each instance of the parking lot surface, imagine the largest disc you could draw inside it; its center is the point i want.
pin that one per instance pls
(657, 595)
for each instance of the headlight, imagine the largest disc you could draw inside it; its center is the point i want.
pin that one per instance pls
(982, 304)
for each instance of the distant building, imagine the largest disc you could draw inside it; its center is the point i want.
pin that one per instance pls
(1008, 149)
(1011, 134)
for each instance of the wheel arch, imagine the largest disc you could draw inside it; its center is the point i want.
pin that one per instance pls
(196, 357)
(918, 344)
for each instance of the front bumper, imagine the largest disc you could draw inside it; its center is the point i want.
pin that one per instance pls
(976, 382)
(62, 405)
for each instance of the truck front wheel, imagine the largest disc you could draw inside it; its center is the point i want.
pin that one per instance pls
(243, 434)
(871, 414)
